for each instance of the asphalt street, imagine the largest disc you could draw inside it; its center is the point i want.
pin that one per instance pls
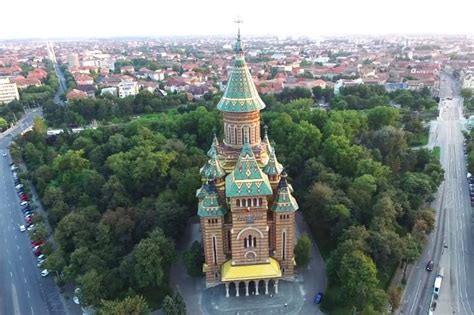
(22, 289)
(450, 245)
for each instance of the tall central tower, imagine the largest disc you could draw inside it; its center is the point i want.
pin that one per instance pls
(246, 205)
(241, 107)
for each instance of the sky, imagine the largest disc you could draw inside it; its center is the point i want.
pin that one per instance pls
(314, 18)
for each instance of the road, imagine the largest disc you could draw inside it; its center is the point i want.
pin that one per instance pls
(313, 279)
(450, 245)
(62, 81)
(22, 289)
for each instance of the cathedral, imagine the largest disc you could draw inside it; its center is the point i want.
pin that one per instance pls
(246, 207)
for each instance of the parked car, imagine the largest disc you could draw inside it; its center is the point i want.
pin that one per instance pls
(22, 228)
(37, 252)
(18, 186)
(31, 227)
(26, 208)
(429, 266)
(4, 155)
(41, 257)
(37, 243)
(40, 263)
(24, 198)
(44, 273)
(24, 203)
(318, 298)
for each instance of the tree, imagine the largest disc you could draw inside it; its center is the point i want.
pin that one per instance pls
(394, 297)
(382, 116)
(466, 93)
(193, 259)
(153, 257)
(358, 277)
(131, 305)
(174, 305)
(303, 251)
(3, 124)
(56, 261)
(411, 252)
(91, 287)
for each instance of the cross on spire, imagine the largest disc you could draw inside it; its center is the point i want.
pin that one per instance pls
(238, 45)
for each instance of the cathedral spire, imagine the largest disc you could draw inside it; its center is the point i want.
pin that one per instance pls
(238, 44)
(240, 95)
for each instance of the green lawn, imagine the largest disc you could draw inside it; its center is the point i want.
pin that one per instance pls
(436, 152)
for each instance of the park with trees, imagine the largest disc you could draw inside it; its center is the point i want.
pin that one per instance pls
(118, 197)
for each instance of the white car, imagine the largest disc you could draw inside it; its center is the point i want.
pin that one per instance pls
(44, 273)
(24, 203)
(22, 228)
(77, 292)
(41, 257)
(40, 263)
(4, 154)
(31, 227)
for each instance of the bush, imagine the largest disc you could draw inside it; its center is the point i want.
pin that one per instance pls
(193, 260)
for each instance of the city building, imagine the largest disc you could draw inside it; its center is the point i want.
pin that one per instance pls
(246, 207)
(73, 60)
(75, 94)
(8, 91)
(468, 81)
(127, 88)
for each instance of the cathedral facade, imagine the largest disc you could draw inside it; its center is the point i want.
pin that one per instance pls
(246, 207)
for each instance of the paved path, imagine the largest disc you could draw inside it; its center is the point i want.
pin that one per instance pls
(298, 295)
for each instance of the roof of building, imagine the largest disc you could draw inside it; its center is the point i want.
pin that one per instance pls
(209, 201)
(284, 201)
(213, 168)
(240, 94)
(249, 272)
(273, 167)
(247, 179)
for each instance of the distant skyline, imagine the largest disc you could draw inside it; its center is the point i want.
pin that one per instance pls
(120, 18)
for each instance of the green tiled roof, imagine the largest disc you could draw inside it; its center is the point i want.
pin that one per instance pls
(240, 94)
(213, 168)
(208, 202)
(284, 201)
(247, 179)
(273, 167)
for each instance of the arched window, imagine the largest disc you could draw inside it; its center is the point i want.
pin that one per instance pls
(245, 242)
(254, 202)
(249, 202)
(238, 202)
(284, 245)
(255, 242)
(260, 201)
(234, 136)
(229, 240)
(250, 241)
(244, 203)
(228, 135)
(214, 249)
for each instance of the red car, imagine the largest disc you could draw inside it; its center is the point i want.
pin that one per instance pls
(24, 197)
(28, 220)
(37, 243)
(37, 252)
